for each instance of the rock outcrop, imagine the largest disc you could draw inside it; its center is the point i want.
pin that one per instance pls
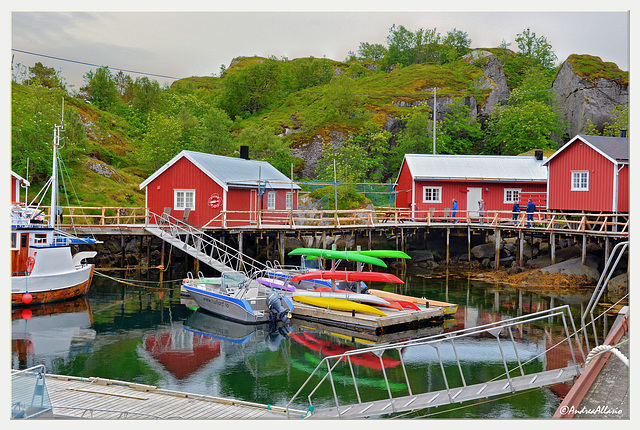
(494, 78)
(582, 96)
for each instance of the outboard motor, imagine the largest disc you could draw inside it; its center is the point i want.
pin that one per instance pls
(276, 310)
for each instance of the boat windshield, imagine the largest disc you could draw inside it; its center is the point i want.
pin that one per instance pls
(233, 279)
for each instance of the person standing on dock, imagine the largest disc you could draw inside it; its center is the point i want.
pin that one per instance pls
(481, 210)
(454, 210)
(515, 211)
(531, 208)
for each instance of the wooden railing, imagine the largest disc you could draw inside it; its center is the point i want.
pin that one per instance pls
(609, 223)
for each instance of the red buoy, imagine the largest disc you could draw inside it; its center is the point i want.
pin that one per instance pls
(27, 298)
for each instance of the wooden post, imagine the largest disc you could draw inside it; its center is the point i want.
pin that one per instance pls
(496, 235)
(469, 242)
(607, 248)
(240, 248)
(281, 248)
(584, 249)
(448, 234)
(162, 262)
(521, 247)
(552, 247)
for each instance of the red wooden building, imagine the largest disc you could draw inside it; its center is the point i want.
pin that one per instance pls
(16, 183)
(590, 173)
(431, 182)
(207, 184)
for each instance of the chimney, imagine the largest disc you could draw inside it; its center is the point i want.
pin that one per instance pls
(538, 154)
(623, 133)
(244, 152)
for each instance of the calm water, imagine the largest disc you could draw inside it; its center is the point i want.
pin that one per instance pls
(154, 337)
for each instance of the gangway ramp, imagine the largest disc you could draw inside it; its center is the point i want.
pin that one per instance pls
(418, 395)
(200, 245)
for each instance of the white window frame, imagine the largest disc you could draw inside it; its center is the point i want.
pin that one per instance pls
(180, 200)
(289, 201)
(438, 191)
(271, 200)
(578, 174)
(511, 191)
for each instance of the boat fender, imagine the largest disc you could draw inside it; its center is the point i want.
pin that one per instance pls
(277, 311)
(29, 264)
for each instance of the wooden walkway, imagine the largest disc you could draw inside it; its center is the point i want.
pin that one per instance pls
(98, 398)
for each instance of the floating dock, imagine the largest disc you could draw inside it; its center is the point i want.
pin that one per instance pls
(394, 321)
(99, 398)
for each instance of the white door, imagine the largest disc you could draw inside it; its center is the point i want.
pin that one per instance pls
(473, 195)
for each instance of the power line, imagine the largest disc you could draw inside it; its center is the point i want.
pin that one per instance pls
(223, 84)
(93, 65)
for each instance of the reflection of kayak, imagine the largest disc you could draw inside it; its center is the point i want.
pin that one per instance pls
(356, 297)
(337, 304)
(366, 359)
(449, 308)
(348, 275)
(339, 255)
(275, 283)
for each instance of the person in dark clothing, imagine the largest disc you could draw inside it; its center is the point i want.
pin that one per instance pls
(454, 210)
(531, 208)
(515, 211)
(481, 210)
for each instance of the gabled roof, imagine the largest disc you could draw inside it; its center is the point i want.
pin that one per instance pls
(19, 178)
(616, 149)
(230, 171)
(476, 167)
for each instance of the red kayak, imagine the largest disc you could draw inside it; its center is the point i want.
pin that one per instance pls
(348, 275)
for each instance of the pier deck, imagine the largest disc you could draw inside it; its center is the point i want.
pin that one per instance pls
(394, 321)
(98, 398)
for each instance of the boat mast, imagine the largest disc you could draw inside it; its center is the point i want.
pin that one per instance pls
(54, 171)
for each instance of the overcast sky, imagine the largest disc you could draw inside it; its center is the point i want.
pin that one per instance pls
(196, 43)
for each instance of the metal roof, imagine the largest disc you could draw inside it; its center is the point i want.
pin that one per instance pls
(615, 149)
(231, 171)
(477, 167)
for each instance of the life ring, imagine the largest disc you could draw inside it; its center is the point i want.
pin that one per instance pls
(214, 200)
(29, 264)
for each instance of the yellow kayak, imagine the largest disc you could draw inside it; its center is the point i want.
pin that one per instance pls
(338, 304)
(449, 308)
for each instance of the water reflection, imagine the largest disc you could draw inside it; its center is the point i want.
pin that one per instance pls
(154, 337)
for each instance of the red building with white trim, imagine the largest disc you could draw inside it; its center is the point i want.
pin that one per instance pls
(590, 173)
(16, 183)
(208, 184)
(430, 182)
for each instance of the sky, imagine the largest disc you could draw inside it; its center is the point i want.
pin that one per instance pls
(196, 42)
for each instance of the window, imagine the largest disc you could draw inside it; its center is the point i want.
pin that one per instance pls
(271, 200)
(289, 201)
(183, 199)
(580, 180)
(512, 195)
(432, 195)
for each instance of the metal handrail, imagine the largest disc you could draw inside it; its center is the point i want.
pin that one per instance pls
(494, 329)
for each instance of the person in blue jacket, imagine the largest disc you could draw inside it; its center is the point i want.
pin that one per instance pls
(531, 208)
(515, 211)
(454, 210)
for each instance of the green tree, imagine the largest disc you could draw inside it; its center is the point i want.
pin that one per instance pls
(146, 96)
(371, 51)
(216, 137)
(248, 90)
(161, 142)
(341, 98)
(457, 132)
(537, 48)
(101, 88)
(44, 76)
(458, 41)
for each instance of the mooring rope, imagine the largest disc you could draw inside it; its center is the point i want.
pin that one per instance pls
(606, 348)
(126, 282)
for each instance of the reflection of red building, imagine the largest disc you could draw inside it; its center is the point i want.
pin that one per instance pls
(181, 354)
